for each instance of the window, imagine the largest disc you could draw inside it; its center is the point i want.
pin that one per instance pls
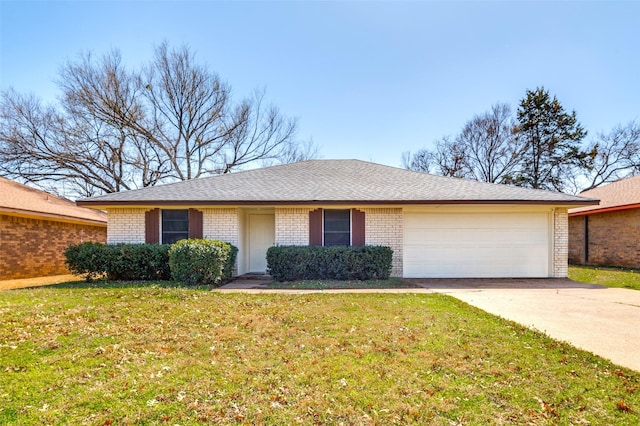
(337, 227)
(175, 225)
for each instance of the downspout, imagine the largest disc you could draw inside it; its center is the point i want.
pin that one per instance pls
(586, 239)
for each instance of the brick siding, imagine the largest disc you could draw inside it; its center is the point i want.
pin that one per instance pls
(613, 239)
(221, 224)
(125, 226)
(292, 226)
(560, 243)
(576, 239)
(32, 247)
(383, 226)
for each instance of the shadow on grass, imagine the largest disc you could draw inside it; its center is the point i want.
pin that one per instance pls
(104, 284)
(296, 285)
(391, 283)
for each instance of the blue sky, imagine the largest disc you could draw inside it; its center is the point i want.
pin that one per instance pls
(367, 80)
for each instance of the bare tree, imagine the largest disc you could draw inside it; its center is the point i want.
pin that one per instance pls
(447, 159)
(45, 146)
(100, 101)
(617, 155)
(118, 129)
(295, 151)
(258, 133)
(487, 149)
(188, 112)
(491, 145)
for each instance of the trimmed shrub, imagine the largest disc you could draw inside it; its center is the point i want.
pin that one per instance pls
(87, 259)
(131, 262)
(202, 262)
(292, 263)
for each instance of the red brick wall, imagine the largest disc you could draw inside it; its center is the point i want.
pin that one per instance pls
(614, 239)
(576, 239)
(33, 247)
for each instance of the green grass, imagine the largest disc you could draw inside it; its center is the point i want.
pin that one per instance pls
(130, 354)
(332, 284)
(610, 277)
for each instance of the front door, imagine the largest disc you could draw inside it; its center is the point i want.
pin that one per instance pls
(262, 232)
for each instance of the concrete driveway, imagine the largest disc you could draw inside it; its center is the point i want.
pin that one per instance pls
(602, 320)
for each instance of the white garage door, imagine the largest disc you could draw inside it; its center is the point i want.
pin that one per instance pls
(480, 245)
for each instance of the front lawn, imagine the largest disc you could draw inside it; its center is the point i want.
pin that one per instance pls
(134, 354)
(348, 284)
(610, 277)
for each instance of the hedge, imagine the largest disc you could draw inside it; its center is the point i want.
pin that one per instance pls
(202, 262)
(86, 259)
(194, 262)
(292, 263)
(130, 262)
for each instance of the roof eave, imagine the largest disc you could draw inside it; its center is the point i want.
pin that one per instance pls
(604, 210)
(51, 216)
(98, 204)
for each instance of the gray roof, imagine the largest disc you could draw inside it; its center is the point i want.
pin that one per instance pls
(331, 182)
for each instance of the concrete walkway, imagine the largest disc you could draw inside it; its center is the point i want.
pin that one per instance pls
(602, 320)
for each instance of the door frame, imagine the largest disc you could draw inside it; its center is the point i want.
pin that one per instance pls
(249, 215)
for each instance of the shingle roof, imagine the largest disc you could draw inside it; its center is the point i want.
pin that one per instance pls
(17, 198)
(332, 181)
(624, 193)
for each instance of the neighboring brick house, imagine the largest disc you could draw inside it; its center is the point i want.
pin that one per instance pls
(437, 226)
(607, 234)
(36, 227)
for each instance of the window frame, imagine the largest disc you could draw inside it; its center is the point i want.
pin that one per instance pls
(186, 234)
(324, 231)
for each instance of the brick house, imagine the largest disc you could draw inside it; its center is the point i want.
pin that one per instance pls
(609, 233)
(36, 227)
(436, 226)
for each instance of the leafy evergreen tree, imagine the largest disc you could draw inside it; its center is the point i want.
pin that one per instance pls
(551, 138)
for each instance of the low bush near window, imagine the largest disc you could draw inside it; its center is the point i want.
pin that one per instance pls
(132, 262)
(202, 262)
(119, 261)
(291, 263)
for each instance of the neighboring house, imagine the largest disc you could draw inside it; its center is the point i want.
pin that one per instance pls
(436, 226)
(36, 227)
(609, 233)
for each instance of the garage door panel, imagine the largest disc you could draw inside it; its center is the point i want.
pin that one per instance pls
(476, 245)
